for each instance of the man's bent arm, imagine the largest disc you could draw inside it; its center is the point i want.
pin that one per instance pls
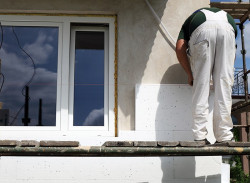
(181, 47)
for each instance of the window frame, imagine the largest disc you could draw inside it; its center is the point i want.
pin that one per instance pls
(72, 72)
(63, 111)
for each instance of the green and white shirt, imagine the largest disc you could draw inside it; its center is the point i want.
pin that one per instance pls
(196, 19)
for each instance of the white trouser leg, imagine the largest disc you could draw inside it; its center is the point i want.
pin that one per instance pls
(223, 77)
(201, 68)
(212, 53)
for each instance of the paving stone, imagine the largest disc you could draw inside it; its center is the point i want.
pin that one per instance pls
(145, 143)
(118, 144)
(167, 144)
(192, 143)
(59, 143)
(9, 143)
(29, 143)
(239, 144)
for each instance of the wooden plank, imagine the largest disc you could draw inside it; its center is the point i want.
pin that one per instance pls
(145, 144)
(245, 17)
(239, 144)
(29, 143)
(167, 144)
(118, 144)
(230, 5)
(192, 143)
(9, 143)
(236, 10)
(59, 143)
(237, 16)
(220, 144)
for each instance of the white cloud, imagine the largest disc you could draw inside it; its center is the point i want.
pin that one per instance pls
(17, 72)
(40, 49)
(95, 118)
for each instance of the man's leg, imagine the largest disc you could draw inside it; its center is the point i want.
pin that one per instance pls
(201, 67)
(223, 76)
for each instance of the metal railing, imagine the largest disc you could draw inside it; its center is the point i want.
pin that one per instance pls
(238, 87)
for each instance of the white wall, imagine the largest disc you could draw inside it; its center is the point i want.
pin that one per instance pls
(144, 57)
(162, 113)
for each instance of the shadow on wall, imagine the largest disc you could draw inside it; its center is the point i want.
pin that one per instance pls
(137, 33)
(210, 179)
(173, 122)
(174, 75)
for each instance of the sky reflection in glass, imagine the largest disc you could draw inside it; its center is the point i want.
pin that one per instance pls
(89, 79)
(41, 43)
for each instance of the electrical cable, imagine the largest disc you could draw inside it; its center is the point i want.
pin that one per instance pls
(28, 83)
(15, 117)
(1, 74)
(172, 40)
(33, 63)
(1, 43)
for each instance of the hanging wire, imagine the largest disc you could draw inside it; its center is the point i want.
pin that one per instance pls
(15, 117)
(29, 82)
(1, 43)
(33, 63)
(1, 74)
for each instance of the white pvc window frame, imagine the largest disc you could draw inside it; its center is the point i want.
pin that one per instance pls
(105, 30)
(64, 127)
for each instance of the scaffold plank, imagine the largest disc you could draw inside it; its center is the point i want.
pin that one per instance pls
(101, 151)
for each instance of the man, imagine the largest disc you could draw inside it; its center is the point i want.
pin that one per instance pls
(207, 37)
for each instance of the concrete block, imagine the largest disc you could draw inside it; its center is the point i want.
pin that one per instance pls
(10, 143)
(239, 144)
(192, 143)
(145, 143)
(167, 144)
(59, 143)
(221, 144)
(29, 143)
(118, 144)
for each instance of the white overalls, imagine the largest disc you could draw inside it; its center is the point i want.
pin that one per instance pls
(212, 50)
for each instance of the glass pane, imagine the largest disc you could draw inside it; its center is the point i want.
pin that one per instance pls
(41, 43)
(89, 79)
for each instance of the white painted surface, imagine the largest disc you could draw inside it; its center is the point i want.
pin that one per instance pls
(167, 108)
(93, 169)
(125, 169)
(225, 173)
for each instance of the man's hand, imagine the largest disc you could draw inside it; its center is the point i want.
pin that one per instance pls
(190, 80)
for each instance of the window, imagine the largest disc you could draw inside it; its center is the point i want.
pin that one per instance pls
(89, 49)
(62, 68)
(36, 69)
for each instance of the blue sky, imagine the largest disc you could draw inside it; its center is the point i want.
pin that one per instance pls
(42, 44)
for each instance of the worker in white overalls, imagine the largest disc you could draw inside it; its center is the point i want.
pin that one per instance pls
(208, 37)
